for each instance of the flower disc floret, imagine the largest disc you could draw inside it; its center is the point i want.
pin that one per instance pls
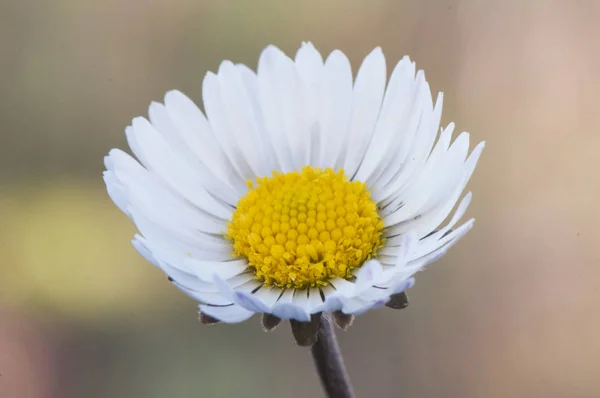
(303, 228)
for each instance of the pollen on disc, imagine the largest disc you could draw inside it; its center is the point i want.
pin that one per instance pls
(302, 228)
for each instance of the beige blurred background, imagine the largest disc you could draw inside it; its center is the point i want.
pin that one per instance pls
(513, 311)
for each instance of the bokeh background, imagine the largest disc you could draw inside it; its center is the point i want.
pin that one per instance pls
(512, 311)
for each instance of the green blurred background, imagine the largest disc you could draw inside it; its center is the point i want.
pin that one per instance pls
(512, 311)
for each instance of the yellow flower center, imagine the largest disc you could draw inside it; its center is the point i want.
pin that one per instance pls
(300, 229)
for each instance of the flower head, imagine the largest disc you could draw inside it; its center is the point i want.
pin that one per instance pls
(300, 190)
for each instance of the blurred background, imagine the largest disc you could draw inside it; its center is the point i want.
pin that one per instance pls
(512, 311)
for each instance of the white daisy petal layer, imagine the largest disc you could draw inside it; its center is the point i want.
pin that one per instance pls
(192, 168)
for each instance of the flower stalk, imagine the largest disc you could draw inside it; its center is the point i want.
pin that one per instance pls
(328, 360)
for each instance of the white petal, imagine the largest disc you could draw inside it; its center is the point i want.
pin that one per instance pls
(458, 214)
(357, 306)
(204, 297)
(248, 301)
(446, 171)
(332, 304)
(250, 81)
(393, 109)
(407, 244)
(428, 246)
(369, 274)
(239, 117)
(342, 286)
(284, 107)
(217, 113)
(150, 196)
(241, 280)
(290, 311)
(428, 216)
(386, 259)
(116, 190)
(406, 180)
(243, 296)
(389, 250)
(268, 99)
(433, 218)
(133, 144)
(335, 105)
(398, 285)
(187, 283)
(286, 309)
(450, 174)
(300, 300)
(404, 165)
(314, 299)
(138, 244)
(206, 270)
(229, 314)
(210, 293)
(366, 102)
(435, 214)
(158, 157)
(403, 286)
(196, 133)
(160, 119)
(224, 288)
(399, 143)
(175, 245)
(268, 296)
(309, 65)
(182, 275)
(404, 241)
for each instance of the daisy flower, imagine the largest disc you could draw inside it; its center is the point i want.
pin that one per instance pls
(299, 190)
